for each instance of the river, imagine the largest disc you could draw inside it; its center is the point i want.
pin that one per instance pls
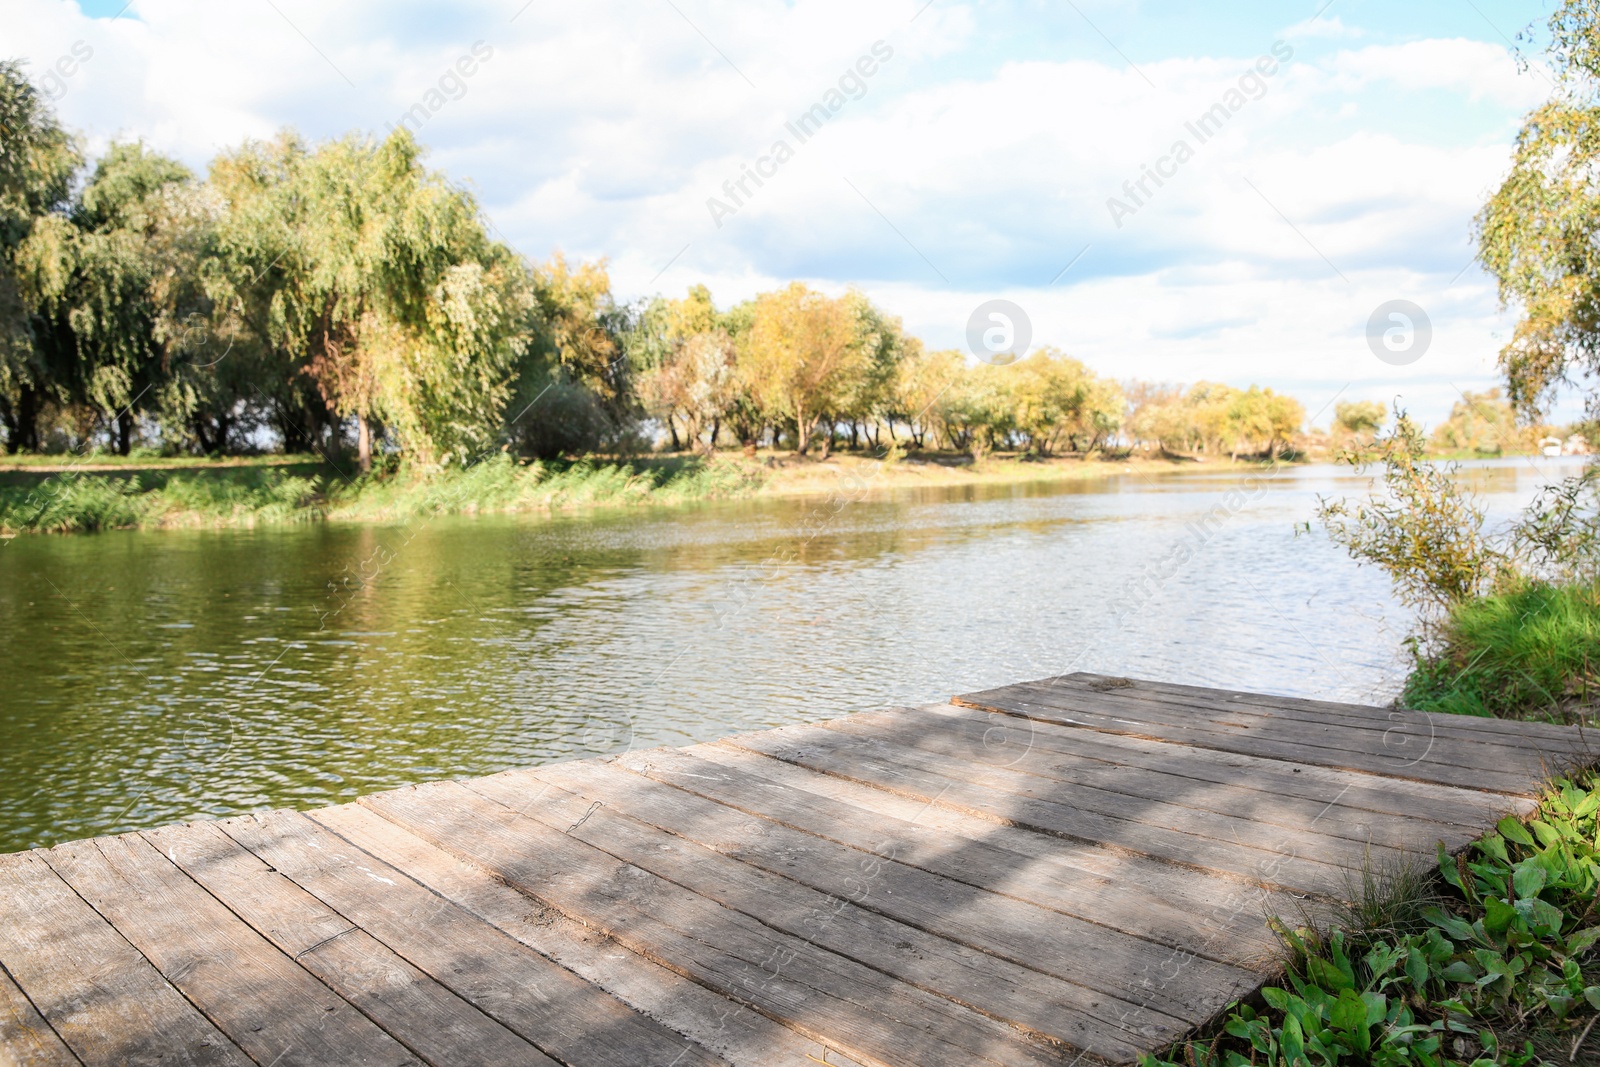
(165, 675)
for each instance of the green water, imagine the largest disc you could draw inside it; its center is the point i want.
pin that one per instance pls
(152, 677)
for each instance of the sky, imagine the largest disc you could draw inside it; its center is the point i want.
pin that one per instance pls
(1304, 163)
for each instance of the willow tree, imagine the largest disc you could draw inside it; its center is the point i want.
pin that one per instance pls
(376, 280)
(683, 364)
(1539, 233)
(37, 161)
(125, 278)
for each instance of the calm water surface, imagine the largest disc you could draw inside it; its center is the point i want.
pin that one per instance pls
(152, 677)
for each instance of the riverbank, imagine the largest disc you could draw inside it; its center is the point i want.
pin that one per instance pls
(133, 495)
(1526, 653)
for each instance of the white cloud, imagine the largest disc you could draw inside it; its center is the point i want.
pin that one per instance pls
(603, 131)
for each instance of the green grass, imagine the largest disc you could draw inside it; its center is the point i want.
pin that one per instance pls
(502, 485)
(1492, 961)
(1529, 654)
(75, 502)
(148, 459)
(80, 503)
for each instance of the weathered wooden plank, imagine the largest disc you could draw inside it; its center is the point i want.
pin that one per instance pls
(432, 1022)
(891, 887)
(964, 739)
(26, 1040)
(1226, 916)
(1150, 903)
(1075, 710)
(269, 1005)
(872, 1017)
(739, 1034)
(873, 910)
(1405, 734)
(1409, 743)
(1512, 731)
(1467, 808)
(104, 1000)
(1010, 798)
(567, 1018)
(1396, 731)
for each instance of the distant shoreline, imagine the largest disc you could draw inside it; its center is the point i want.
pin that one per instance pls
(275, 490)
(106, 493)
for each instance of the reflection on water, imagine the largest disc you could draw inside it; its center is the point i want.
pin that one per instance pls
(157, 676)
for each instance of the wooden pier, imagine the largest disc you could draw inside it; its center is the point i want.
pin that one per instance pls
(1067, 871)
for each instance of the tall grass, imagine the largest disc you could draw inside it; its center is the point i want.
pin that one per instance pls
(1530, 653)
(76, 502)
(81, 502)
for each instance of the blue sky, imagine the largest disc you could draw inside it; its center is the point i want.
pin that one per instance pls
(978, 160)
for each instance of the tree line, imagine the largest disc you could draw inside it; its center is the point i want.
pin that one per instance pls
(340, 295)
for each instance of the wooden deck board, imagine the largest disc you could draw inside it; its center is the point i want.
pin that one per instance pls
(737, 1033)
(1271, 859)
(1145, 908)
(104, 999)
(1071, 870)
(23, 1032)
(871, 1016)
(568, 1018)
(1369, 751)
(1153, 789)
(436, 1024)
(850, 909)
(268, 1004)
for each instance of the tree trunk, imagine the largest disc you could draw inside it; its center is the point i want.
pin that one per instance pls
(8, 419)
(124, 432)
(335, 437)
(27, 435)
(363, 443)
(802, 433)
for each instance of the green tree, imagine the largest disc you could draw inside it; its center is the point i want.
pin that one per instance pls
(38, 159)
(127, 281)
(1481, 422)
(1357, 418)
(1045, 393)
(1539, 233)
(383, 288)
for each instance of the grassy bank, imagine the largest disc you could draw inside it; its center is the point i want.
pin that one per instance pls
(1490, 962)
(1529, 654)
(195, 494)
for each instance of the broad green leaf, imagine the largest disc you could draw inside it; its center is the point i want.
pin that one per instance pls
(1349, 1014)
(1330, 975)
(1528, 878)
(1498, 915)
(1458, 929)
(1588, 805)
(1447, 867)
(1583, 940)
(1513, 830)
(1294, 1042)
